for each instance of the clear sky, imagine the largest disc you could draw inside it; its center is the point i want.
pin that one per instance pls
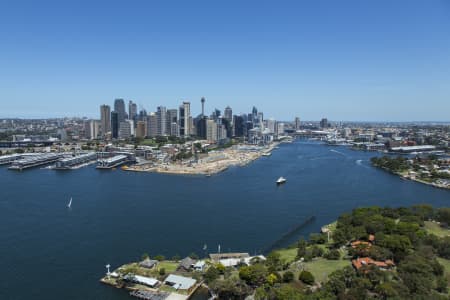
(345, 60)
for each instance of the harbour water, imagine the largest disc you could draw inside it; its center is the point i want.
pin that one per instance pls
(50, 251)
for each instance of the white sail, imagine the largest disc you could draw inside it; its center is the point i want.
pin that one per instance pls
(70, 203)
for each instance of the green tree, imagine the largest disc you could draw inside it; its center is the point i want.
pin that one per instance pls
(306, 277)
(301, 251)
(211, 274)
(288, 276)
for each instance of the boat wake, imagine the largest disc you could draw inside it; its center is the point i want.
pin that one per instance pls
(359, 162)
(338, 152)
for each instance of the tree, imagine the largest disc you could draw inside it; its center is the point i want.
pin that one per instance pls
(301, 251)
(316, 251)
(159, 257)
(162, 271)
(274, 262)
(211, 274)
(193, 255)
(145, 256)
(288, 276)
(271, 279)
(333, 254)
(306, 277)
(176, 257)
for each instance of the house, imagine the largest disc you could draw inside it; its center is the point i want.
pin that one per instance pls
(216, 257)
(233, 262)
(186, 264)
(367, 261)
(180, 282)
(148, 263)
(199, 266)
(151, 282)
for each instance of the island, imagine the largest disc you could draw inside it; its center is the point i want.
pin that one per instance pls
(371, 252)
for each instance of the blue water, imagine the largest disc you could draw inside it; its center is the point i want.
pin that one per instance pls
(48, 251)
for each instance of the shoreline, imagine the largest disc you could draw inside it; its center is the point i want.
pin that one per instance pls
(221, 161)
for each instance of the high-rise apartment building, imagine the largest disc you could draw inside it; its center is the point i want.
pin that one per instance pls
(152, 125)
(297, 123)
(132, 110)
(161, 114)
(140, 129)
(185, 119)
(211, 130)
(324, 123)
(124, 129)
(172, 122)
(105, 119)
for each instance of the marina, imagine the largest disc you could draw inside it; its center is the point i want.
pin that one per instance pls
(35, 161)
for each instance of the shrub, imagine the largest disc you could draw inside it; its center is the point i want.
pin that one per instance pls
(288, 276)
(306, 277)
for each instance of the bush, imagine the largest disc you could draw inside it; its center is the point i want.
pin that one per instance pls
(162, 271)
(333, 254)
(288, 276)
(306, 277)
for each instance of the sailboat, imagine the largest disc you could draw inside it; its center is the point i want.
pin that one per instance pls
(70, 203)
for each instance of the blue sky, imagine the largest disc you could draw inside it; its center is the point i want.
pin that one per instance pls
(345, 60)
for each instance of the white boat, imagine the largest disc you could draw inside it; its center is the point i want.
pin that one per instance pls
(281, 180)
(70, 203)
(267, 154)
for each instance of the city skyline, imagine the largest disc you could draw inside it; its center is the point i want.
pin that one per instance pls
(345, 61)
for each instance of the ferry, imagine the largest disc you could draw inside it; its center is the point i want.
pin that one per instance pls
(267, 154)
(281, 180)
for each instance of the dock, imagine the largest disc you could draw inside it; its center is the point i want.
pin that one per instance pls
(71, 162)
(35, 161)
(112, 162)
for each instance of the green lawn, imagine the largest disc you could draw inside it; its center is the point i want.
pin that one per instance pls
(435, 229)
(169, 266)
(321, 267)
(288, 255)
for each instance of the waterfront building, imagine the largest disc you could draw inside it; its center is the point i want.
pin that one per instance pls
(324, 123)
(211, 130)
(114, 125)
(239, 126)
(270, 124)
(119, 107)
(280, 129)
(185, 119)
(140, 129)
(297, 123)
(161, 114)
(228, 114)
(152, 125)
(105, 119)
(180, 282)
(124, 130)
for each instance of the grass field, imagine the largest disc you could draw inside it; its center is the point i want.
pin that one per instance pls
(435, 229)
(321, 267)
(169, 266)
(288, 255)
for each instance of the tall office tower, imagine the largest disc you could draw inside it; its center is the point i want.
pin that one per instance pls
(203, 105)
(260, 119)
(228, 114)
(142, 115)
(297, 123)
(185, 119)
(119, 107)
(200, 127)
(172, 120)
(271, 125)
(115, 124)
(215, 114)
(211, 130)
(132, 110)
(124, 129)
(324, 123)
(140, 129)
(105, 119)
(161, 114)
(254, 117)
(239, 126)
(152, 125)
(280, 129)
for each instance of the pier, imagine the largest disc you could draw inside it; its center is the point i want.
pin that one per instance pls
(71, 162)
(112, 162)
(35, 161)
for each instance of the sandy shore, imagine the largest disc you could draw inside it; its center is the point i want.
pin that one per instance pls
(216, 162)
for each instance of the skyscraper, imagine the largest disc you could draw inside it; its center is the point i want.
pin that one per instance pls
(185, 119)
(228, 114)
(297, 123)
(114, 124)
(119, 107)
(161, 114)
(105, 119)
(132, 110)
(140, 129)
(152, 125)
(239, 126)
(324, 123)
(172, 122)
